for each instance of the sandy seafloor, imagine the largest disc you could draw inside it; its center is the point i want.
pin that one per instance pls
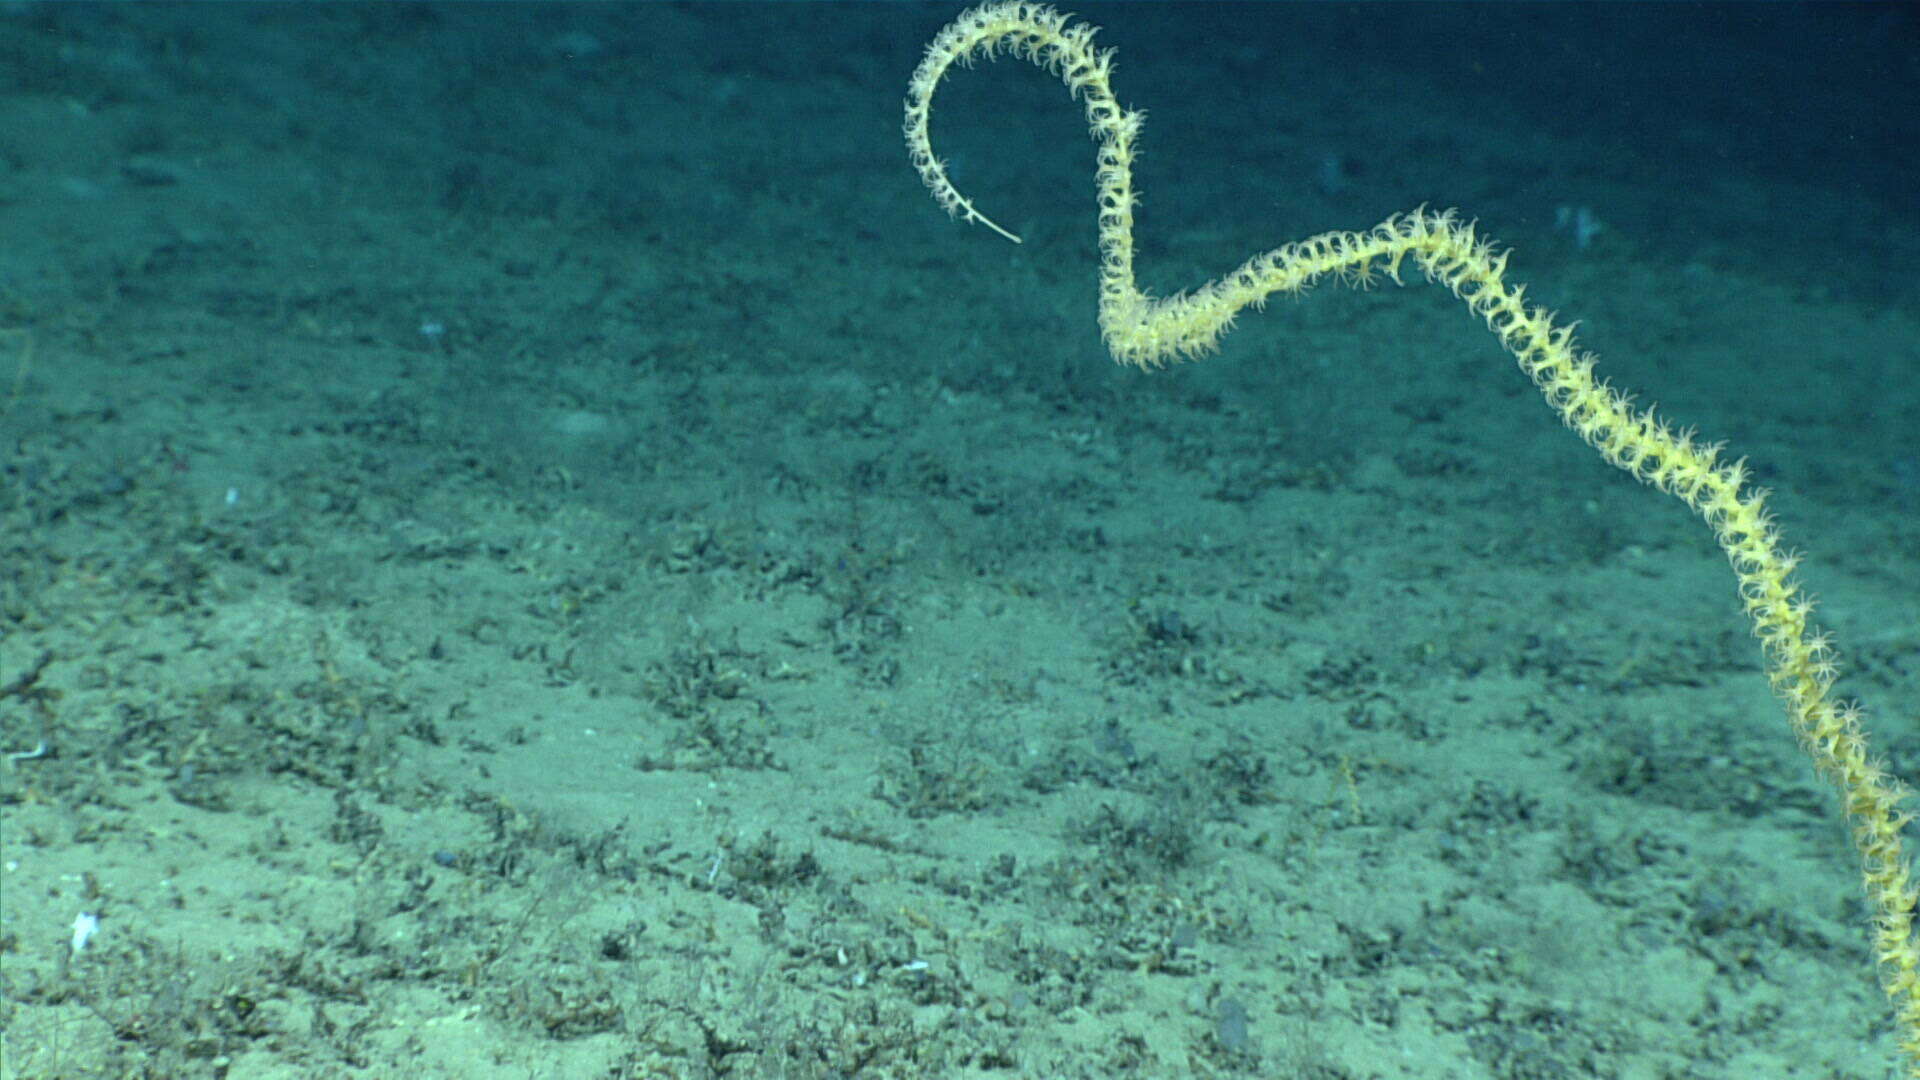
(530, 547)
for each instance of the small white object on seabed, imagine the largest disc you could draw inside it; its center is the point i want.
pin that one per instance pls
(84, 927)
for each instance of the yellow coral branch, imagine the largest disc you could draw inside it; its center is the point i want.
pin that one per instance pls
(1147, 332)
